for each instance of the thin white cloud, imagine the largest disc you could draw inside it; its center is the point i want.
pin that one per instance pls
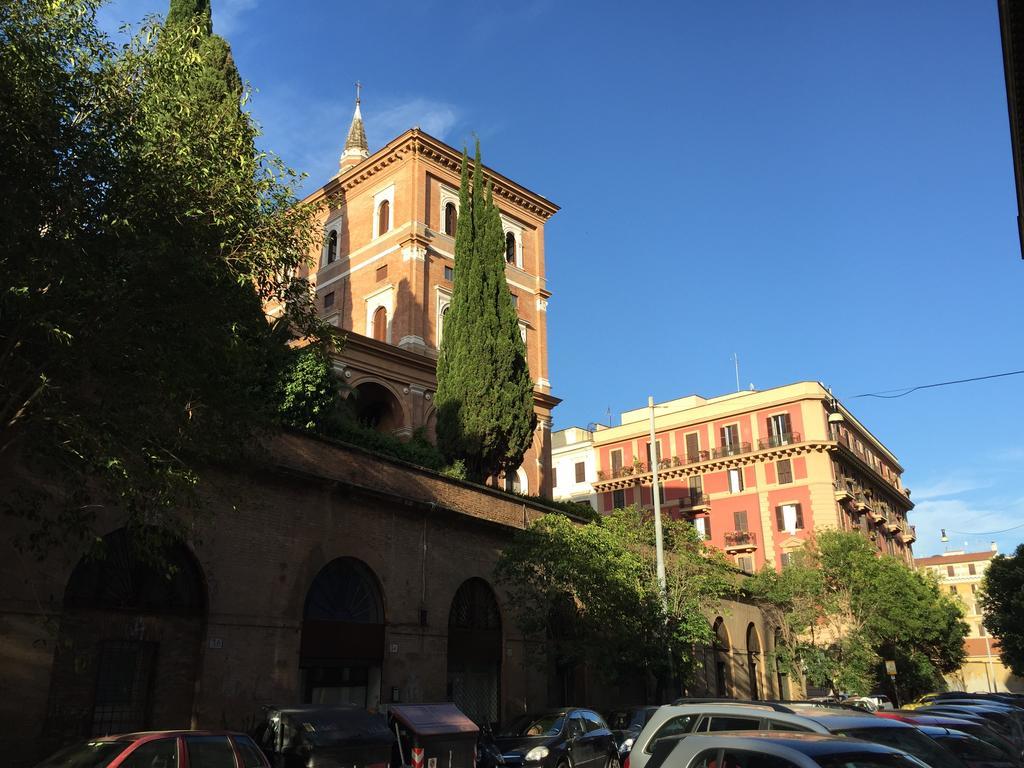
(968, 525)
(227, 14)
(435, 117)
(949, 486)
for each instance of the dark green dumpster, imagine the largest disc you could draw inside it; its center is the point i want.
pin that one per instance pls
(433, 735)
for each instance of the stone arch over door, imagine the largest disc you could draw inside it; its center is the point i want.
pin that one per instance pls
(129, 643)
(341, 652)
(474, 651)
(721, 655)
(754, 656)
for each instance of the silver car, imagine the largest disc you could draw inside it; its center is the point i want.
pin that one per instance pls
(776, 750)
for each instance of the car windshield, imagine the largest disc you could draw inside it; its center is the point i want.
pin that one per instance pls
(910, 740)
(535, 725)
(626, 719)
(869, 760)
(91, 754)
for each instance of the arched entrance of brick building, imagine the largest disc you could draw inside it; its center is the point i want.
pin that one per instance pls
(474, 651)
(376, 406)
(342, 645)
(129, 643)
(753, 661)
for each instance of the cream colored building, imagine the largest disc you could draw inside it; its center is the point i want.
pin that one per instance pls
(573, 466)
(961, 574)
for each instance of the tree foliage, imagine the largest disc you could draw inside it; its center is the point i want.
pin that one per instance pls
(1002, 598)
(842, 609)
(143, 234)
(484, 394)
(593, 589)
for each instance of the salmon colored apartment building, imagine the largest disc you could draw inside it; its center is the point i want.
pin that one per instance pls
(384, 274)
(758, 471)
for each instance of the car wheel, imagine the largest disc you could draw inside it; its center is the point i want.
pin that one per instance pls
(563, 763)
(613, 762)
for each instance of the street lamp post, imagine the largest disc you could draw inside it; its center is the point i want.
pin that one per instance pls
(658, 541)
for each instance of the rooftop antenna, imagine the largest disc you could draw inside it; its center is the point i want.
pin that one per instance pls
(608, 415)
(736, 361)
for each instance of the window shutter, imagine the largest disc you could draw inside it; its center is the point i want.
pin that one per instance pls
(554, 477)
(723, 436)
(780, 520)
(740, 520)
(692, 446)
(707, 527)
(616, 459)
(799, 517)
(581, 470)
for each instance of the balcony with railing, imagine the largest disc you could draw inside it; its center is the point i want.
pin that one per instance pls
(694, 500)
(843, 491)
(876, 513)
(893, 524)
(908, 534)
(777, 441)
(735, 449)
(740, 541)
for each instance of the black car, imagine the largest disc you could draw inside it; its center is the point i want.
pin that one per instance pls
(556, 738)
(973, 751)
(315, 736)
(626, 725)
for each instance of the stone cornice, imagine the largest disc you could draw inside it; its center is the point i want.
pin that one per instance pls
(683, 470)
(416, 141)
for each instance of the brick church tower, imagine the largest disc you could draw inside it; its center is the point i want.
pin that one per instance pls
(384, 275)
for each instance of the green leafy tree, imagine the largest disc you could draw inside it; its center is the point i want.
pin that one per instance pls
(484, 394)
(842, 609)
(143, 235)
(1002, 599)
(593, 588)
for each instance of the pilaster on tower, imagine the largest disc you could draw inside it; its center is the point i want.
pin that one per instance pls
(356, 148)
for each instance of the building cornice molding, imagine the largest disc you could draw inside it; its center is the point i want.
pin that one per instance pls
(415, 141)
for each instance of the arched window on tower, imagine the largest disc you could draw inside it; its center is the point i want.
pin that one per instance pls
(510, 248)
(380, 324)
(383, 217)
(451, 219)
(332, 246)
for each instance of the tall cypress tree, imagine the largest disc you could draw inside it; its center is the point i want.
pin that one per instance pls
(484, 398)
(221, 79)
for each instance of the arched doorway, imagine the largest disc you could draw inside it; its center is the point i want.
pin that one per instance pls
(474, 651)
(342, 647)
(753, 660)
(127, 655)
(721, 655)
(375, 406)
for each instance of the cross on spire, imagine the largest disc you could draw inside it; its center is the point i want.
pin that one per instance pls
(359, 87)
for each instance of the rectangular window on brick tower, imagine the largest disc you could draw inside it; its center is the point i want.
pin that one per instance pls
(581, 471)
(784, 470)
(739, 520)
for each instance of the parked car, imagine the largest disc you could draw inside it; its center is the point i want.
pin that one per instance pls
(975, 727)
(315, 736)
(626, 725)
(1000, 719)
(770, 716)
(556, 738)
(161, 749)
(776, 750)
(973, 751)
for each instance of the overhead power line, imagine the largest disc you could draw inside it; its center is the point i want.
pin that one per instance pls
(987, 533)
(888, 394)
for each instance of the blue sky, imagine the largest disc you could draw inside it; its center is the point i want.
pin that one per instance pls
(824, 189)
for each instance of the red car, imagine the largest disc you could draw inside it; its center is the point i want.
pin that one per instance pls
(162, 749)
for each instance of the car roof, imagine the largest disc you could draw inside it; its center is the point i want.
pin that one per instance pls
(150, 735)
(842, 720)
(808, 743)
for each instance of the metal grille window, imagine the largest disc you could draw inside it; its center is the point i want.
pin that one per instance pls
(123, 685)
